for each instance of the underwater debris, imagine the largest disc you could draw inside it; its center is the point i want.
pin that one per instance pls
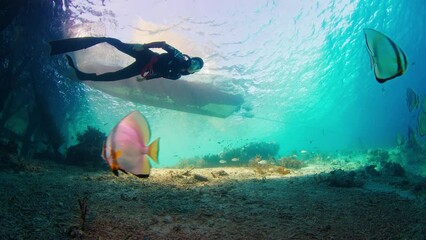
(87, 150)
(77, 231)
(200, 178)
(188, 172)
(82, 203)
(176, 176)
(220, 173)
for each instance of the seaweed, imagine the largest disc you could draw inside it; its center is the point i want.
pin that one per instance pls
(88, 150)
(243, 155)
(291, 162)
(282, 170)
(76, 231)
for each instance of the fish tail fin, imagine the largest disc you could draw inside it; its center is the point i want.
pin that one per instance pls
(153, 150)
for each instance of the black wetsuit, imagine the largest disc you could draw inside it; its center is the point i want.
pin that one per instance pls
(147, 63)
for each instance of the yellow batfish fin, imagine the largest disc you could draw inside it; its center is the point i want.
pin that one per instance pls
(153, 150)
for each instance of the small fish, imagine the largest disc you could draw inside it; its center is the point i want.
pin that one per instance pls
(412, 99)
(222, 161)
(126, 147)
(235, 159)
(303, 151)
(262, 162)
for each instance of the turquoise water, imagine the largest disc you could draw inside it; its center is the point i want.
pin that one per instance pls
(302, 68)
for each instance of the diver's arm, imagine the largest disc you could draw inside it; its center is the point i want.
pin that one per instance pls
(155, 44)
(166, 47)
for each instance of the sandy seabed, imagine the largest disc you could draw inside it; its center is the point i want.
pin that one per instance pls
(50, 201)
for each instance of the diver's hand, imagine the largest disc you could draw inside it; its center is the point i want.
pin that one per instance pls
(171, 50)
(140, 79)
(179, 55)
(138, 47)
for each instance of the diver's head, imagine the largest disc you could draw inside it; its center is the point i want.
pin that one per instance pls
(194, 64)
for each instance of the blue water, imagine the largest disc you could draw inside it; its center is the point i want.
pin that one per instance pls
(301, 66)
(303, 70)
